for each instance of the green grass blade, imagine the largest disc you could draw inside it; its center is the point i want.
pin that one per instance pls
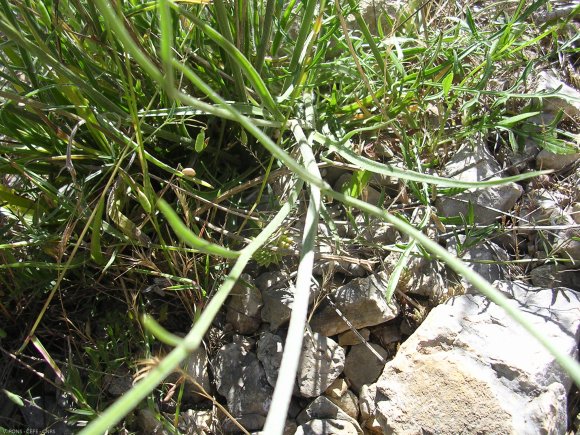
(222, 16)
(166, 51)
(293, 345)
(298, 53)
(132, 398)
(250, 72)
(569, 364)
(186, 235)
(266, 35)
(406, 174)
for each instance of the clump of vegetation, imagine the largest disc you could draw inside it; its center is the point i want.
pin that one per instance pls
(150, 151)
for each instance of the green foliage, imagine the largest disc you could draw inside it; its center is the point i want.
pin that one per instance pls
(103, 104)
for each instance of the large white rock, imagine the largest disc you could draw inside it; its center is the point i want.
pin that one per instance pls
(475, 163)
(470, 368)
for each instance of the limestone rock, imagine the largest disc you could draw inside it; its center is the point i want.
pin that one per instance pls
(477, 164)
(321, 361)
(324, 263)
(553, 275)
(244, 306)
(574, 211)
(277, 306)
(387, 334)
(549, 160)
(349, 338)
(194, 422)
(253, 422)
(545, 208)
(470, 368)
(483, 257)
(372, 10)
(367, 401)
(278, 298)
(567, 244)
(241, 379)
(339, 394)
(271, 280)
(327, 427)
(195, 367)
(420, 277)
(322, 409)
(361, 301)
(567, 98)
(362, 366)
(270, 351)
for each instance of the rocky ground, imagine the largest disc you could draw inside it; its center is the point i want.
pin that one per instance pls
(439, 358)
(436, 359)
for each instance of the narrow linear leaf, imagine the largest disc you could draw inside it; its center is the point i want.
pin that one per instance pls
(407, 174)
(10, 197)
(96, 253)
(508, 122)
(160, 332)
(187, 236)
(39, 346)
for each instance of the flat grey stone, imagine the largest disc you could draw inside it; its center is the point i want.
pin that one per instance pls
(483, 257)
(327, 427)
(321, 362)
(362, 366)
(322, 409)
(361, 301)
(270, 351)
(244, 305)
(475, 163)
(241, 379)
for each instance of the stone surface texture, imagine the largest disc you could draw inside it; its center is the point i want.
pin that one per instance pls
(362, 366)
(241, 379)
(475, 163)
(194, 422)
(322, 409)
(270, 350)
(420, 277)
(361, 301)
(470, 368)
(553, 275)
(243, 308)
(339, 394)
(277, 306)
(327, 427)
(349, 338)
(483, 257)
(321, 362)
(195, 366)
(567, 98)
